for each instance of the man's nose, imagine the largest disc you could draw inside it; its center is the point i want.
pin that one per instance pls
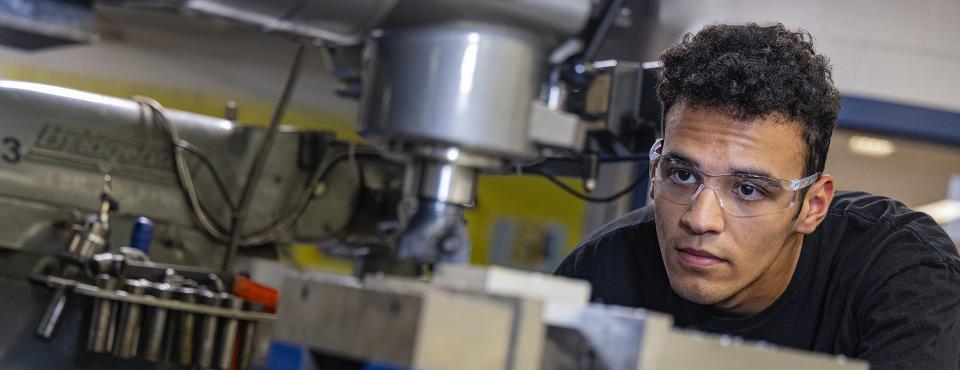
(704, 214)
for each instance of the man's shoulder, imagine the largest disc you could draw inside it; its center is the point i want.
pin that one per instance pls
(869, 206)
(614, 242)
(888, 225)
(873, 244)
(903, 276)
(621, 261)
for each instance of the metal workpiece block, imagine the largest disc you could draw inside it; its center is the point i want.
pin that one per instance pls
(527, 333)
(406, 325)
(562, 296)
(506, 281)
(620, 338)
(538, 298)
(726, 352)
(606, 337)
(553, 297)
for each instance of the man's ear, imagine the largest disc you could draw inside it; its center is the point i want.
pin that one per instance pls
(815, 205)
(650, 174)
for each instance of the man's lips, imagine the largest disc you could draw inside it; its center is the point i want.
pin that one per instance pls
(698, 257)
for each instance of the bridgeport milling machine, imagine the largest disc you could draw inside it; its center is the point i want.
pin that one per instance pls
(449, 89)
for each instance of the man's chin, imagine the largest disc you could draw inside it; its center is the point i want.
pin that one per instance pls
(697, 293)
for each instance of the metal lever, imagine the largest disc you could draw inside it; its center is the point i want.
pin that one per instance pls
(88, 240)
(48, 323)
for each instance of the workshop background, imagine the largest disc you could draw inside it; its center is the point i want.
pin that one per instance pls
(896, 63)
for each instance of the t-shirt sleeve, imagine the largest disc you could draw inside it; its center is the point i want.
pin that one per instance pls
(575, 263)
(583, 262)
(911, 320)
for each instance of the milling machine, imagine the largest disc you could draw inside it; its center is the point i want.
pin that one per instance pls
(448, 89)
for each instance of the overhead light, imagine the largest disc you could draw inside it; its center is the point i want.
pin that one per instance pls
(871, 146)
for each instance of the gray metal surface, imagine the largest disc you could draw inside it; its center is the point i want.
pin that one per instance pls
(569, 349)
(58, 143)
(447, 182)
(349, 22)
(684, 350)
(38, 24)
(319, 314)
(469, 86)
(401, 323)
(407, 322)
(335, 21)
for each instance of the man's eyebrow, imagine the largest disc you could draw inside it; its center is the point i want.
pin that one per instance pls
(682, 158)
(752, 172)
(759, 173)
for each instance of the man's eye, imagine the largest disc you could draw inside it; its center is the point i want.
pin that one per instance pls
(682, 176)
(748, 191)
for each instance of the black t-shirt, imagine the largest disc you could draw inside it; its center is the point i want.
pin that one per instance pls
(875, 281)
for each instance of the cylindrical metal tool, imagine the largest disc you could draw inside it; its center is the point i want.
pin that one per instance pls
(91, 238)
(51, 317)
(128, 334)
(153, 348)
(208, 329)
(248, 340)
(228, 333)
(98, 337)
(186, 325)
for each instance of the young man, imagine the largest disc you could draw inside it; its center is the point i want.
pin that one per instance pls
(746, 235)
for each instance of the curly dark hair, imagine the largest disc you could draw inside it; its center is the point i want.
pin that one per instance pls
(751, 71)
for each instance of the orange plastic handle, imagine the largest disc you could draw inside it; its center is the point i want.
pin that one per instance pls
(249, 290)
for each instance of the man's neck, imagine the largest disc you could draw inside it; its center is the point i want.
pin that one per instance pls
(765, 290)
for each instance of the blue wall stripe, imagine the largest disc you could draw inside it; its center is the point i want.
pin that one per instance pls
(899, 120)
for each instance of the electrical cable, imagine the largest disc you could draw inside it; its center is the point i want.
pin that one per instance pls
(593, 199)
(207, 223)
(185, 178)
(270, 233)
(221, 186)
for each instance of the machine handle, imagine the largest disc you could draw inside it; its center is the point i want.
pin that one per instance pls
(251, 291)
(51, 317)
